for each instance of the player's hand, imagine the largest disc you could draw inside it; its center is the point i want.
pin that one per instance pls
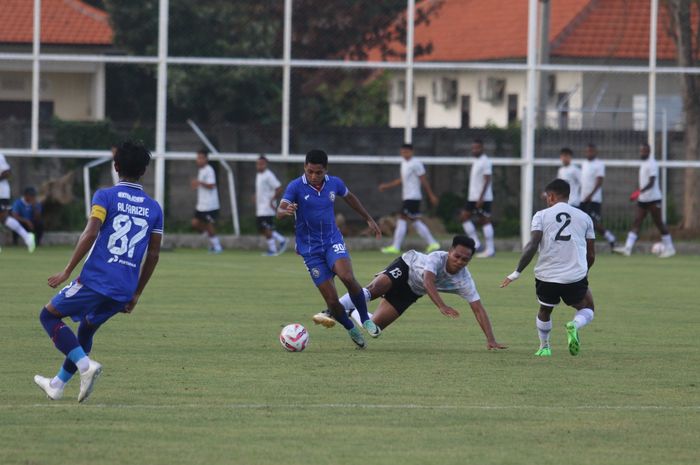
(58, 279)
(635, 195)
(506, 282)
(130, 306)
(479, 204)
(493, 345)
(587, 199)
(291, 209)
(382, 187)
(449, 312)
(194, 183)
(434, 200)
(374, 227)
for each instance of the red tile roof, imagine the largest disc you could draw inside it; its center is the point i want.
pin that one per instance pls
(69, 22)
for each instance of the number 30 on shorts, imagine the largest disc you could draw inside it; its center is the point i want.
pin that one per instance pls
(339, 248)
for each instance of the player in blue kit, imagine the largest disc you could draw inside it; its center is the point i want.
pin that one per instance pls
(125, 225)
(311, 199)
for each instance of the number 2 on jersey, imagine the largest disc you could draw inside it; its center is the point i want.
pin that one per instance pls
(562, 216)
(119, 242)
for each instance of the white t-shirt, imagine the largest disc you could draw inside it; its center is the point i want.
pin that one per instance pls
(4, 184)
(648, 170)
(411, 171)
(480, 168)
(207, 199)
(572, 175)
(265, 185)
(590, 171)
(562, 252)
(460, 283)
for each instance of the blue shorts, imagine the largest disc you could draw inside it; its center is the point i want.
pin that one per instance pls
(79, 301)
(320, 264)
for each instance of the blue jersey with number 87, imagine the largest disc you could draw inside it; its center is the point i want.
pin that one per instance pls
(129, 217)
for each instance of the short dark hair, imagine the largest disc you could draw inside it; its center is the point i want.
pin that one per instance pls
(645, 144)
(464, 241)
(406, 145)
(204, 152)
(316, 157)
(567, 151)
(132, 159)
(591, 145)
(559, 187)
(478, 141)
(262, 157)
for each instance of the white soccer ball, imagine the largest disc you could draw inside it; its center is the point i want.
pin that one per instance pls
(294, 337)
(657, 248)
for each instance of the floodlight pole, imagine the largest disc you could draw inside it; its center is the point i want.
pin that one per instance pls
(286, 76)
(408, 91)
(651, 96)
(36, 77)
(527, 171)
(162, 101)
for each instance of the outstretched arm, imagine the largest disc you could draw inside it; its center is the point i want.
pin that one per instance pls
(352, 200)
(528, 253)
(431, 289)
(85, 243)
(149, 265)
(483, 319)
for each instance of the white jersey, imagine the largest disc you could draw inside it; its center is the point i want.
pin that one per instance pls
(562, 252)
(648, 170)
(590, 172)
(411, 171)
(460, 283)
(207, 199)
(266, 183)
(4, 184)
(480, 168)
(572, 175)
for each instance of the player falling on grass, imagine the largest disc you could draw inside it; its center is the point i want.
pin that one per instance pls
(648, 197)
(207, 210)
(565, 238)
(125, 225)
(414, 275)
(267, 190)
(310, 199)
(411, 180)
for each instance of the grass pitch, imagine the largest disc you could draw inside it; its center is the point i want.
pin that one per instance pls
(196, 374)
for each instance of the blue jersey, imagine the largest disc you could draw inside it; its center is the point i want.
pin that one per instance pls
(129, 217)
(26, 210)
(315, 217)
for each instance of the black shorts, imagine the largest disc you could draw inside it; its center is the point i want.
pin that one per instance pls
(400, 296)
(411, 208)
(5, 205)
(485, 210)
(648, 205)
(548, 294)
(593, 210)
(207, 217)
(264, 223)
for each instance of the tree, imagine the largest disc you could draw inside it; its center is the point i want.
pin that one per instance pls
(686, 36)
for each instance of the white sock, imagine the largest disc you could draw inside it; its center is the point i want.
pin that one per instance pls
(355, 315)
(15, 226)
(83, 364)
(57, 383)
(215, 242)
(631, 239)
(668, 242)
(543, 330)
(423, 232)
(488, 237)
(346, 301)
(272, 245)
(399, 233)
(583, 317)
(610, 237)
(277, 236)
(470, 230)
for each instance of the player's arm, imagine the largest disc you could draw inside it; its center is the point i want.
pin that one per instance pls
(487, 183)
(354, 203)
(528, 254)
(206, 185)
(590, 252)
(85, 243)
(434, 294)
(649, 185)
(5, 174)
(598, 185)
(149, 265)
(426, 187)
(389, 185)
(483, 319)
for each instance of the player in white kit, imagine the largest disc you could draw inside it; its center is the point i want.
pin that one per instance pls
(571, 174)
(414, 275)
(565, 239)
(5, 206)
(592, 177)
(648, 197)
(267, 190)
(207, 209)
(411, 180)
(479, 200)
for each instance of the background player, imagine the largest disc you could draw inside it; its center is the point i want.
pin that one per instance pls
(311, 200)
(592, 177)
(571, 174)
(411, 180)
(207, 210)
(648, 197)
(124, 225)
(5, 206)
(565, 238)
(479, 200)
(27, 210)
(267, 190)
(414, 275)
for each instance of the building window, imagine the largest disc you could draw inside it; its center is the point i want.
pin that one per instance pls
(466, 116)
(512, 109)
(421, 112)
(22, 110)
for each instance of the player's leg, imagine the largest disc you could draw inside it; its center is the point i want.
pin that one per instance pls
(412, 210)
(578, 296)
(86, 332)
(548, 298)
(342, 267)
(399, 233)
(487, 229)
(15, 226)
(669, 249)
(210, 220)
(385, 314)
(380, 285)
(640, 213)
(265, 229)
(596, 215)
(468, 224)
(330, 296)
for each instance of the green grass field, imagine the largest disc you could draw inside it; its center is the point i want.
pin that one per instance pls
(196, 374)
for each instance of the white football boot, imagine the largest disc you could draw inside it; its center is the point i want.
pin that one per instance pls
(45, 385)
(88, 379)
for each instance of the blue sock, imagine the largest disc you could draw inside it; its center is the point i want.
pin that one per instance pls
(85, 335)
(343, 319)
(61, 335)
(360, 305)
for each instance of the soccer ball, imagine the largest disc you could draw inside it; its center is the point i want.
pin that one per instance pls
(294, 337)
(657, 248)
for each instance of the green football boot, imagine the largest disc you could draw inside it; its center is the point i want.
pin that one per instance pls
(544, 352)
(572, 336)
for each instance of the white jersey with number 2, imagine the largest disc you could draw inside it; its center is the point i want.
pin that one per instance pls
(562, 252)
